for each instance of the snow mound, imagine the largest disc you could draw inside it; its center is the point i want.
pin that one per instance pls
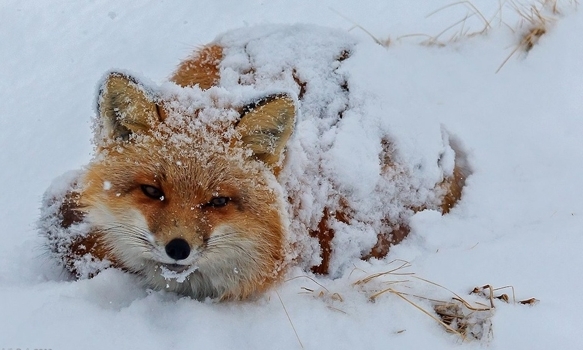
(350, 152)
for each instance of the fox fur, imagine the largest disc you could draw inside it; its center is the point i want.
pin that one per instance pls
(192, 203)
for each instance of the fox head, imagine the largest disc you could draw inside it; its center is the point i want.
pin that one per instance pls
(186, 197)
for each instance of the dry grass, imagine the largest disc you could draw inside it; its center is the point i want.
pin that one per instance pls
(290, 320)
(468, 320)
(386, 42)
(459, 28)
(537, 23)
(535, 19)
(456, 315)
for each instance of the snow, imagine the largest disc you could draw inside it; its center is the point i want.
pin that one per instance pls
(519, 222)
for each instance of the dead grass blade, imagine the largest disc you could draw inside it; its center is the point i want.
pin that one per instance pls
(467, 4)
(382, 42)
(404, 264)
(290, 321)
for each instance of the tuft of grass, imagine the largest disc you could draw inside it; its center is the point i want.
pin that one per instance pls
(536, 18)
(537, 23)
(466, 323)
(468, 320)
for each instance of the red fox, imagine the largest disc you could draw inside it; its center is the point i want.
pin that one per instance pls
(212, 193)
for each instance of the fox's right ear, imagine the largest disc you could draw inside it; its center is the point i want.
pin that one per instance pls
(125, 106)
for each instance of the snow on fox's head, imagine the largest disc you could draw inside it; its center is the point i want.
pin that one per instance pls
(183, 186)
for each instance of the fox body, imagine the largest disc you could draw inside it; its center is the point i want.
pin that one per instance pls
(191, 188)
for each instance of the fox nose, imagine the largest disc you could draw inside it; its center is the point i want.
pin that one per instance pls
(178, 249)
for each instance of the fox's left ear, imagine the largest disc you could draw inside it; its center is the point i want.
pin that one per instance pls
(125, 106)
(266, 125)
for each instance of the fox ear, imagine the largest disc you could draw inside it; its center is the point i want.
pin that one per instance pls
(125, 106)
(266, 125)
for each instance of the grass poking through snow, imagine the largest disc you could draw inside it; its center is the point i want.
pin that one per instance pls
(529, 21)
(470, 320)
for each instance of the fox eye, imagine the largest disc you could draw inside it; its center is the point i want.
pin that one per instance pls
(218, 202)
(152, 192)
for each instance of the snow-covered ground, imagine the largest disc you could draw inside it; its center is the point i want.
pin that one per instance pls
(520, 221)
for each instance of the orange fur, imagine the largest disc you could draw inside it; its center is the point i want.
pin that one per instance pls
(113, 190)
(183, 213)
(202, 68)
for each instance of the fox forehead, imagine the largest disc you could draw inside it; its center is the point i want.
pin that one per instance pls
(200, 172)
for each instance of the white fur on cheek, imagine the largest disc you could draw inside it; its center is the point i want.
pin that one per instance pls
(229, 258)
(126, 234)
